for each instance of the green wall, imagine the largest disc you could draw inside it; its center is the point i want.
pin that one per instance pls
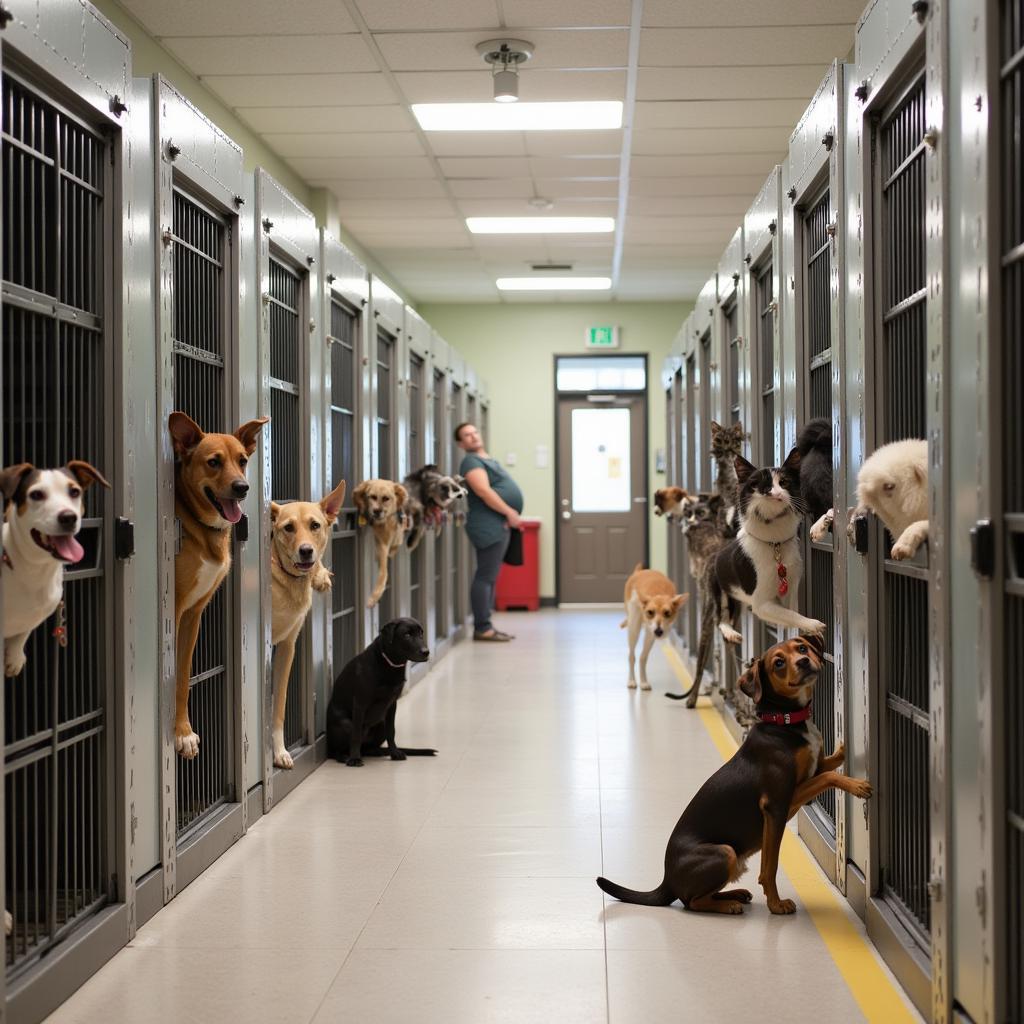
(512, 348)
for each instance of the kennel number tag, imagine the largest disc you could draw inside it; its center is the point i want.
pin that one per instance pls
(602, 337)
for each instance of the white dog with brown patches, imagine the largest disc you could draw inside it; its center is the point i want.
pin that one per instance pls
(651, 605)
(893, 484)
(43, 515)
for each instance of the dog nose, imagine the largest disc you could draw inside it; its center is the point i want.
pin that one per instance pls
(240, 488)
(306, 552)
(804, 663)
(658, 631)
(68, 518)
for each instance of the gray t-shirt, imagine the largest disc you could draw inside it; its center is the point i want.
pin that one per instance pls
(483, 525)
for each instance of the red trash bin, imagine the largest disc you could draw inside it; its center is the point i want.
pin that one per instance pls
(519, 585)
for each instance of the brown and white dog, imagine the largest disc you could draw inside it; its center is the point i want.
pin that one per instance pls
(381, 503)
(651, 604)
(43, 514)
(299, 532)
(672, 502)
(209, 483)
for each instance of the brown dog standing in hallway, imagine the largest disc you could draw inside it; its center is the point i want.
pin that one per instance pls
(744, 806)
(209, 484)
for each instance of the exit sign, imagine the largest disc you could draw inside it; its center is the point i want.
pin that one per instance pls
(602, 337)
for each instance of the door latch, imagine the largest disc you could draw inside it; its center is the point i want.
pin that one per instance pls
(860, 535)
(983, 548)
(242, 529)
(124, 538)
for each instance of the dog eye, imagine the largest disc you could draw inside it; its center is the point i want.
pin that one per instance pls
(890, 487)
(74, 492)
(213, 463)
(802, 648)
(650, 615)
(314, 525)
(37, 495)
(386, 498)
(243, 463)
(289, 527)
(780, 662)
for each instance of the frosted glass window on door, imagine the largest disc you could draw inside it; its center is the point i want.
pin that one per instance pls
(600, 460)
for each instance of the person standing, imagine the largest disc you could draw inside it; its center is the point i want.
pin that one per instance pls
(495, 502)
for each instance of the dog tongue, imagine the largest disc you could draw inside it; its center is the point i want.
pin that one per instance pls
(67, 548)
(232, 510)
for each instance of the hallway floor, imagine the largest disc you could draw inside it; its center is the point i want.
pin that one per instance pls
(461, 888)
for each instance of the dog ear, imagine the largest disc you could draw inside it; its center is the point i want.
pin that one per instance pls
(743, 469)
(85, 474)
(11, 478)
(750, 681)
(920, 473)
(814, 641)
(185, 433)
(792, 462)
(274, 510)
(332, 503)
(247, 433)
(401, 495)
(679, 600)
(359, 495)
(387, 634)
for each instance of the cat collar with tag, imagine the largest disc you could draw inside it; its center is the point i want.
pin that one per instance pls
(782, 570)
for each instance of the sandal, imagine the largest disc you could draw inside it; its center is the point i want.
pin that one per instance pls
(494, 636)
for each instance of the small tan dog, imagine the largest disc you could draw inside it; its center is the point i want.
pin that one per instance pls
(893, 484)
(299, 532)
(651, 603)
(381, 503)
(209, 485)
(672, 502)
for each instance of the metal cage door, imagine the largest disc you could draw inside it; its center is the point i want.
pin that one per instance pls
(457, 568)
(439, 392)
(58, 404)
(416, 456)
(288, 317)
(387, 351)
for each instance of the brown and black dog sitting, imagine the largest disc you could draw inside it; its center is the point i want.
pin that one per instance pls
(209, 484)
(744, 806)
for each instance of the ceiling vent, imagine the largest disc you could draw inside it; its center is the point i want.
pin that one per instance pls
(551, 266)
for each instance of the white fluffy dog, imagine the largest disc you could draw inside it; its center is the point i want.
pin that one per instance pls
(892, 483)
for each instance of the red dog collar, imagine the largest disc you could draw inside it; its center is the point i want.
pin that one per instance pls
(785, 717)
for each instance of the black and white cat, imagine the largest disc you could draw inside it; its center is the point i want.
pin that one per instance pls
(762, 567)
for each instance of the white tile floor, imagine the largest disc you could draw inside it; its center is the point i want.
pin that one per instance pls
(461, 888)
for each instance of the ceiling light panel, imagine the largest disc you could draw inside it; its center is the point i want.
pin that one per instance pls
(540, 225)
(553, 284)
(519, 117)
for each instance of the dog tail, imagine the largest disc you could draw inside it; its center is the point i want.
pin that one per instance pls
(638, 567)
(622, 624)
(419, 751)
(816, 434)
(660, 897)
(708, 621)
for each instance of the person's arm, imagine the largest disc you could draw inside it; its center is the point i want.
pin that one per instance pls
(477, 479)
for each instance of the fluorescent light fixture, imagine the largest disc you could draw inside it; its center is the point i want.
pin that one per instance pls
(553, 284)
(590, 115)
(540, 225)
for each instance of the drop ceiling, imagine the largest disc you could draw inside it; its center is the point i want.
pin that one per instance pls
(712, 89)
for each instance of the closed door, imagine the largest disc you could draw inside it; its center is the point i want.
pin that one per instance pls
(602, 495)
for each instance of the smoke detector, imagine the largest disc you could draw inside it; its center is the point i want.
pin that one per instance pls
(505, 56)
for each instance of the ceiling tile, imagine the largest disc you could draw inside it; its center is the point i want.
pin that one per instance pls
(565, 13)
(717, 163)
(521, 208)
(724, 13)
(727, 82)
(574, 167)
(683, 141)
(334, 119)
(696, 185)
(396, 208)
(484, 167)
(710, 47)
(562, 188)
(271, 55)
(535, 85)
(499, 188)
(361, 168)
(492, 144)
(719, 113)
(345, 144)
(376, 188)
(678, 206)
(452, 51)
(581, 143)
(369, 87)
(202, 18)
(429, 15)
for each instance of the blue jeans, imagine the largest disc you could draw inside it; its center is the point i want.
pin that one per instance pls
(481, 592)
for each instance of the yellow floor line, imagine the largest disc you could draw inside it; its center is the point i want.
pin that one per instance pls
(677, 665)
(876, 995)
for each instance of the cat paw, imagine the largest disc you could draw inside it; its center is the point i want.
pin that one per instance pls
(321, 579)
(8, 923)
(903, 550)
(814, 627)
(730, 635)
(13, 665)
(823, 526)
(861, 789)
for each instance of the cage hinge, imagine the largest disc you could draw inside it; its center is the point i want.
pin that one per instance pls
(773, 226)
(173, 151)
(860, 535)
(935, 889)
(747, 259)
(862, 90)
(124, 538)
(310, 260)
(791, 192)
(983, 548)
(117, 105)
(6, 16)
(267, 224)
(312, 326)
(735, 278)
(242, 529)
(331, 279)
(238, 201)
(981, 900)
(931, 138)
(828, 140)
(919, 9)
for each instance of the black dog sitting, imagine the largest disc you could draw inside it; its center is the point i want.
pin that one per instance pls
(361, 714)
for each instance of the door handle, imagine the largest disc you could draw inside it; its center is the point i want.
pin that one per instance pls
(639, 501)
(565, 503)
(567, 515)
